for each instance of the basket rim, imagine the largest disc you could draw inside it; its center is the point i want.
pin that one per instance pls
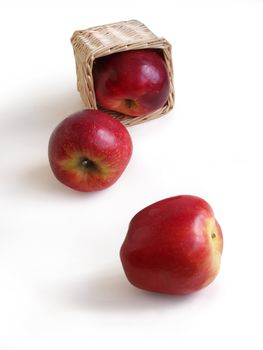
(157, 43)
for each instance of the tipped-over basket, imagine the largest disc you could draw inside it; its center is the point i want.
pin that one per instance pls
(104, 40)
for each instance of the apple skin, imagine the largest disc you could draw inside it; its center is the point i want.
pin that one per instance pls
(173, 246)
(89, 150)
(134, 82)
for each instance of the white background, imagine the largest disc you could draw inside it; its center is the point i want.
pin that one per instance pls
(61, 281)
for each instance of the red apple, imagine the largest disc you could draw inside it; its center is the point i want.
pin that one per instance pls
(89, 150)
(173, 246)
(132, 82)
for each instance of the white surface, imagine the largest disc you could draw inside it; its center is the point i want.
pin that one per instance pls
(62, 285)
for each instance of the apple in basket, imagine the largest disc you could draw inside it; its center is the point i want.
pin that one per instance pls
(134, 82)
(89, 150)
(173, 246)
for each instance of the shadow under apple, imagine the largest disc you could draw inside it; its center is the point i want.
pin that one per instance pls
(40, 181)
(112, 292)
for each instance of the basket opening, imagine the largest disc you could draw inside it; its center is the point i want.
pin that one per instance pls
(129, 104)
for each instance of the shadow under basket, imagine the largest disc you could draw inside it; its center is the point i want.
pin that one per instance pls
(104, 40)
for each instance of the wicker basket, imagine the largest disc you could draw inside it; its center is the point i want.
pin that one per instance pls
(104, 40)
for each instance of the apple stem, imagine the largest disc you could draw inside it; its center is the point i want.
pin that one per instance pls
(213, 235)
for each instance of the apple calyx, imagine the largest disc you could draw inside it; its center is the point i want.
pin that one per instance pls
(130, 103)
(88, 164)
(84, 165)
